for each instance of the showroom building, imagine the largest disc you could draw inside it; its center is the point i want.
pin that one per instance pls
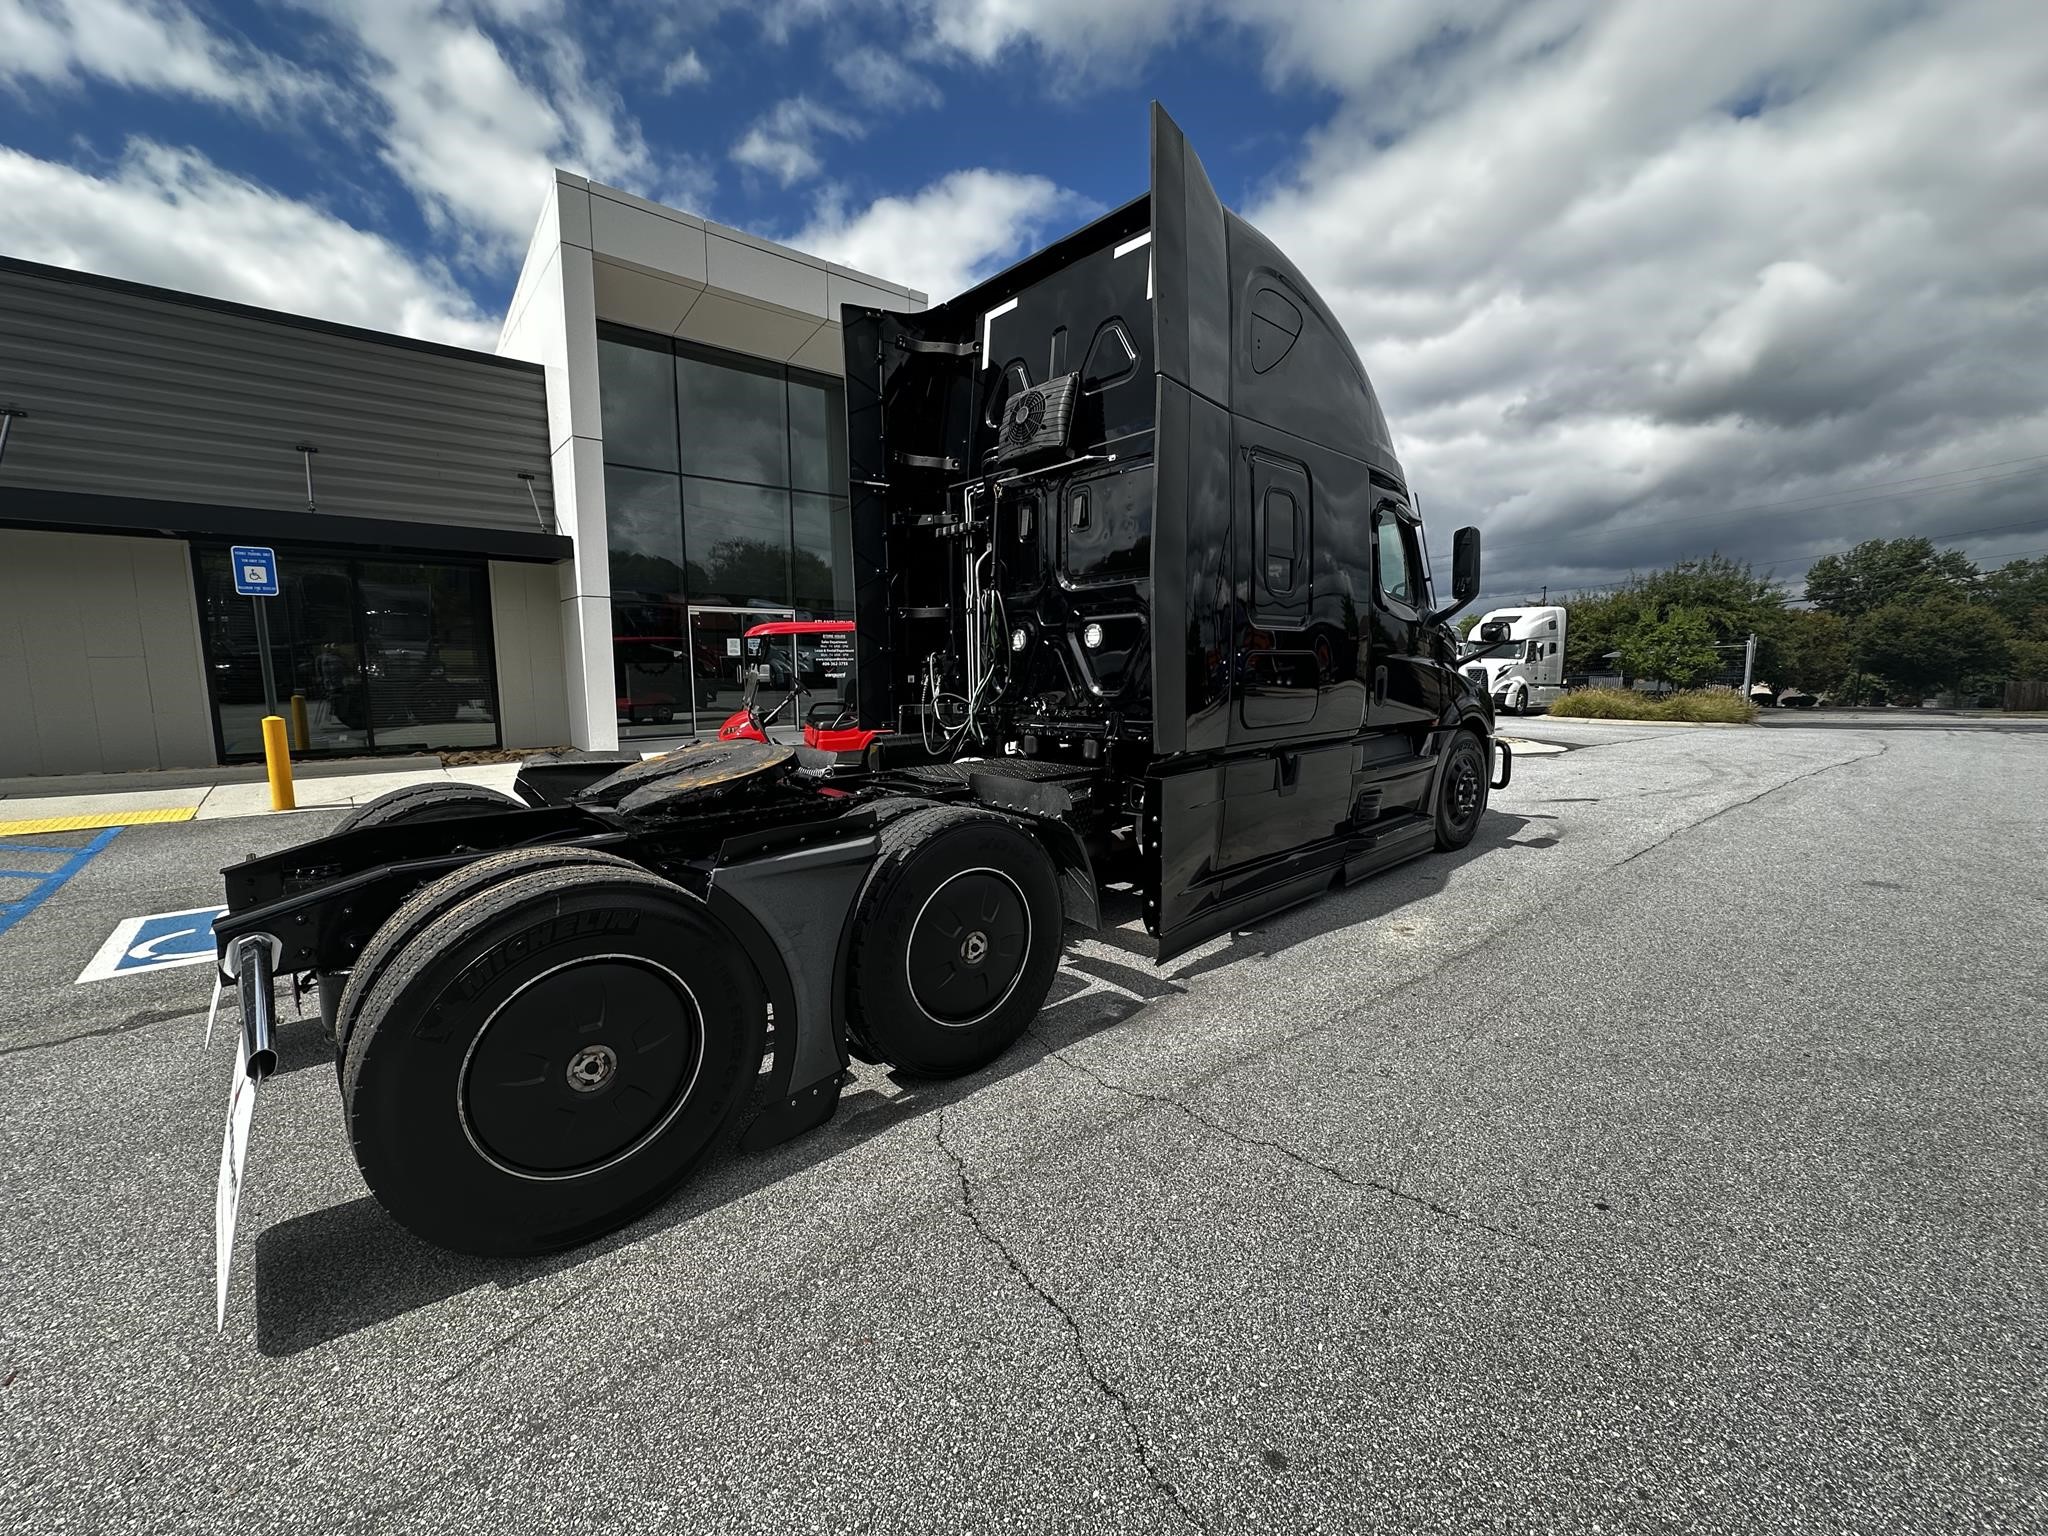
(561, 543)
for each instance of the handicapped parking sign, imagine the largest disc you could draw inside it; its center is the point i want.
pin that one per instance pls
(155, 942)
(255, 570)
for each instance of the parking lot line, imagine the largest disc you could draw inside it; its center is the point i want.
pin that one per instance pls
(53, 880)
(136, 818)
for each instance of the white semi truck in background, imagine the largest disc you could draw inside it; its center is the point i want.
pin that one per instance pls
(1517, 656)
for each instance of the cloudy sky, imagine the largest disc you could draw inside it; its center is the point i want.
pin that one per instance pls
(1636, 280)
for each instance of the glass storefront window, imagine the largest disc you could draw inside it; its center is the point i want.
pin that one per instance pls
(426, 661)
(637, 391)
(739, 543)
(817, 435)
(652, 664)
(383, 654)
(644, 524)
(821, 557)
(735, 419)
(746, 520)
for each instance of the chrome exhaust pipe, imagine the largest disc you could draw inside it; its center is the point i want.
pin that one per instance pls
(252, 958)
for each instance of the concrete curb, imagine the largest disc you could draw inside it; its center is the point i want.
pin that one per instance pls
(213, 801)
(1665, 725)
(41, 786)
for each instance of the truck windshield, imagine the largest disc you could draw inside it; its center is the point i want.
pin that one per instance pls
(1473, 649)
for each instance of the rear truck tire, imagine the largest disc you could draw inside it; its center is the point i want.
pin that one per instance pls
(428, 802)
(955, 941)
(544, 1061)
(444, 895)
(1461, 795)
(885, 809)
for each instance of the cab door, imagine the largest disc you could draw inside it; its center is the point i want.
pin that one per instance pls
(1403, 688)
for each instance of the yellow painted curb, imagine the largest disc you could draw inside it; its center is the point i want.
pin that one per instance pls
(98, 819)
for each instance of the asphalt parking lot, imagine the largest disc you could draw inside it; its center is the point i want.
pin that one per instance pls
(1669, 1160)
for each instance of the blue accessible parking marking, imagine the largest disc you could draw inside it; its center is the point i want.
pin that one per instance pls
(47, 881)
(155, 942)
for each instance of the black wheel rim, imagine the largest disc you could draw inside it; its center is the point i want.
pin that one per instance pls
(1466, 787)
(968, 947)
(581, 1067)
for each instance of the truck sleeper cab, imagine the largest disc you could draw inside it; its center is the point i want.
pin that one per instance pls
(1142, 605)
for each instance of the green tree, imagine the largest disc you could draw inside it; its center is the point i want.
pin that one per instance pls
(2030, 660)
(1812, 651)
(2018, 590)
(1465, 625)
(1677, 648)
(1596, 623)
(1921, 646)
(1726, 594)
(1879, 572)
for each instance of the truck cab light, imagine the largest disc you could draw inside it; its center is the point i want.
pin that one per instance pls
(1092, 637)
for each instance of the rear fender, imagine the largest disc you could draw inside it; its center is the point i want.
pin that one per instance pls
(1078, 891)
(1042, 809)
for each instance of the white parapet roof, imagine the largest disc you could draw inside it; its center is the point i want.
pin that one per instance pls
(660, 269)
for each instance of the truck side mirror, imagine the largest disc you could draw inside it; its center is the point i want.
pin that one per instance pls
(1464, 572)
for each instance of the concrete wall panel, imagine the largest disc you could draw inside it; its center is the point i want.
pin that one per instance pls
(651, 240)
(765, 277)
(526, 621)
(99, 656)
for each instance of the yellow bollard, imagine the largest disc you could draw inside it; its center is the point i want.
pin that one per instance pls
(301, 736)
(278, 758)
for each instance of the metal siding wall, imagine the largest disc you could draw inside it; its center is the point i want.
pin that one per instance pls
(99, 656)
(133, 395)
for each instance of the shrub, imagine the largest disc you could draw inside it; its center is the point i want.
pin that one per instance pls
(1694, 705)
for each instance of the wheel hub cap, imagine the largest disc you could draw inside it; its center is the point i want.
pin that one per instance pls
(582, 1066)
(968, 947)
(1465, 791)
(592, 1067)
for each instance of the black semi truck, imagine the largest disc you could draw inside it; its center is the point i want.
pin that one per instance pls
(1142, 607)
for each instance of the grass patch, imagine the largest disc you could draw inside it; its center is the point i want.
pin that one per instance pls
(1696, 705)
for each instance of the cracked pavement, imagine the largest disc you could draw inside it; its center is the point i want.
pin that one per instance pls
(1669, 1160)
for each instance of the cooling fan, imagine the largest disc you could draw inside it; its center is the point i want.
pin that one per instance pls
(1035, 421)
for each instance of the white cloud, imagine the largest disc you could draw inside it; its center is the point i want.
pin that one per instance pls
(784, 140)
(1692, 262)
(883, 82)
(150, 45)
(684, 69)
(469, 131)
(173, 218)
(1626, 274)
(1089, 33)
(949, 235)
